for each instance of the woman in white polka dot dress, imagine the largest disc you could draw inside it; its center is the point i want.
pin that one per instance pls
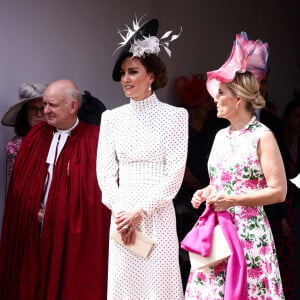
(141, 160)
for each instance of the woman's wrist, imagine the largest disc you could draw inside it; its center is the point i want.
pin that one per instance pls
(138, 216)
(142, 213)
(234, 200)
(209, 190)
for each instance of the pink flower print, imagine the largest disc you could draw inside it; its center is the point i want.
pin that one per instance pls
(226, 177)
(219, 268)
(250, 161)
(190, 277)
(266, 283)
(252, 184)
(267, 224)
(262, 183)
(268, 267)
(246, 244)
(238, 172)
(255, 272)
(237, 167)
(248, 212)
(201, 276)
(275, 286)
(247, 130)
(265, 250)
(218, 187)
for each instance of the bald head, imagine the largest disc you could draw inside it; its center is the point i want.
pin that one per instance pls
(65, 89)
(62, 100)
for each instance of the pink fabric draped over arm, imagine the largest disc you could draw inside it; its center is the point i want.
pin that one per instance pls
(199, 240)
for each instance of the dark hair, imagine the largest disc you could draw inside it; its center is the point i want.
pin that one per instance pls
(22, 126)
(153, 64)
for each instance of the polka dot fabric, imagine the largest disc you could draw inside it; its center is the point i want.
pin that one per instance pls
(141, 160)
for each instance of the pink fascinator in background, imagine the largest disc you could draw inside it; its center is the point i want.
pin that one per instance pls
(193, 91)
(245, 56)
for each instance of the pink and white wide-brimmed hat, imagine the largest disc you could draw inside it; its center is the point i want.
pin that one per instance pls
(245, 56)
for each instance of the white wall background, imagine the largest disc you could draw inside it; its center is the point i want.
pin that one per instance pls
(42, 41)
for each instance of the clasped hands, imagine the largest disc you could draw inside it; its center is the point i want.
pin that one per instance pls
(219, 202)
(126, 222)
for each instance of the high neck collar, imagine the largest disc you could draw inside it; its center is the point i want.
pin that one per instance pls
(238, 131)
(145, 104)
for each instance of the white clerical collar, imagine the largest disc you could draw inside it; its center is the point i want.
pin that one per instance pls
(70, 129)
(58, 141)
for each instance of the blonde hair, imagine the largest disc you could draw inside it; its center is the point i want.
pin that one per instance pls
(246, 86)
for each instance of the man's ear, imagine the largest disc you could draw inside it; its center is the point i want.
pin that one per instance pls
(74, 106)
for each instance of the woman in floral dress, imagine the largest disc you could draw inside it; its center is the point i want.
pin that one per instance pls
(246, 172)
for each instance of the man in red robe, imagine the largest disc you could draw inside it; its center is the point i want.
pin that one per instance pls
(63, 254)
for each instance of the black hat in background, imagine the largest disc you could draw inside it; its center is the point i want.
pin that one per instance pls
(91, 109)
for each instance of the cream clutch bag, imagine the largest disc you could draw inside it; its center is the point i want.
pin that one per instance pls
(219, 251)
(141, 247)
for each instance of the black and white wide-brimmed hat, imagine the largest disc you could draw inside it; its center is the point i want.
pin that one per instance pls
(140, 41)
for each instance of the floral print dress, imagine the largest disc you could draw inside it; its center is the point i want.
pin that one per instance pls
(234, 168)
(12, 149)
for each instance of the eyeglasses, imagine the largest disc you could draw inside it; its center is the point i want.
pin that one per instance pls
(35, 110)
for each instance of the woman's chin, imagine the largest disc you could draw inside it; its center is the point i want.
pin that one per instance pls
(219, 115)
(128, 93)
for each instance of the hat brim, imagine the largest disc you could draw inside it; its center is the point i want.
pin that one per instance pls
(148, 29)
(9, 119)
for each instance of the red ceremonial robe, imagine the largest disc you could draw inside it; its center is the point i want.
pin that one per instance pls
(69, 259)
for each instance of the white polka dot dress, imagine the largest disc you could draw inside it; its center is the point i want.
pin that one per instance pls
(140, 164)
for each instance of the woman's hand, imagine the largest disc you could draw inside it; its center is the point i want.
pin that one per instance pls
(200, 196)
(41, 213)
(220, 202)
(126, 222)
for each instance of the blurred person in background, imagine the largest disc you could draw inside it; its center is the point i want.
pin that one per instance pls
(28, 112)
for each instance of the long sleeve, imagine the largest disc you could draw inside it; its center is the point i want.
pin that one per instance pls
(175, 161)
(107, 164)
